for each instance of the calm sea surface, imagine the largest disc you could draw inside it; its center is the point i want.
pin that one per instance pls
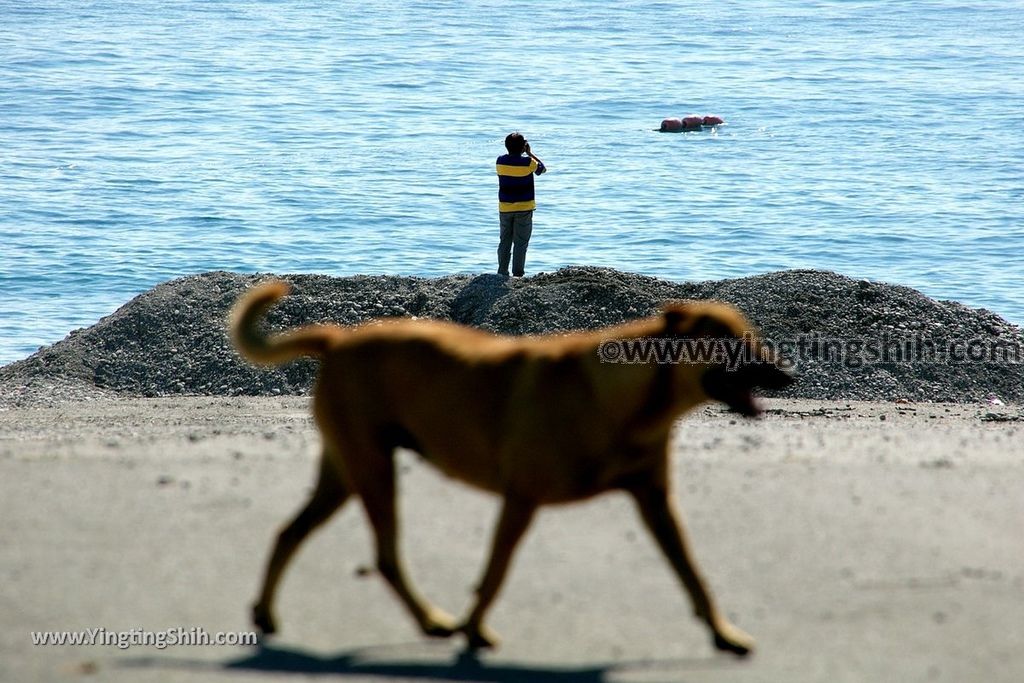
(140, 141)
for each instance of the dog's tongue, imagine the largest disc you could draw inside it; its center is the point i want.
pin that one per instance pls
(756, 408)
(746, 404)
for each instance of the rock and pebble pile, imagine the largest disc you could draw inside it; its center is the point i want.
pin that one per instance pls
(171, 340)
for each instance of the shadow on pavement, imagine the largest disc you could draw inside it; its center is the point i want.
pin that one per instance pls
(465, 666)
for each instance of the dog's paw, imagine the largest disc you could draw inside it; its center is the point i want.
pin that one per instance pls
(479, 637)
(438, 624)
(263, 620)
(733, 639)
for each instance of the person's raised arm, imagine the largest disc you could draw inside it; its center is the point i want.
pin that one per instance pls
(526, 148)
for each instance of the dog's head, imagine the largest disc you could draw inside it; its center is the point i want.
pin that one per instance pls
(717, 341)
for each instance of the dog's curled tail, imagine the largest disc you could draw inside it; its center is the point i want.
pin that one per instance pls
(313, 340)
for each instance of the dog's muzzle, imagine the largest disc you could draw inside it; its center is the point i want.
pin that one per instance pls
(735, 387)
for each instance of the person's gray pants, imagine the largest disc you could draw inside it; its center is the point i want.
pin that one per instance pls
(516, 228)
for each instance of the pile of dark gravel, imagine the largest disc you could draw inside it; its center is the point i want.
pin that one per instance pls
(171, 340)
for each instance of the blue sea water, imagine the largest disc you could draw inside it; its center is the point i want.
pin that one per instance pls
(143, 140)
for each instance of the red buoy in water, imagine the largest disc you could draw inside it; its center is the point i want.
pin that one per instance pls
(692, 122)
(672, 125)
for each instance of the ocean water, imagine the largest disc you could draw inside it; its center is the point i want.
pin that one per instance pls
(143, 140)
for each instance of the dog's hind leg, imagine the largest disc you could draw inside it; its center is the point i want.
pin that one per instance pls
(659, 514)
(329, 495)
(373, 474)
(516, 515)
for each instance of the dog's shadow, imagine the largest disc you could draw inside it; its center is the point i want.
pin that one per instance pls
(465, 666)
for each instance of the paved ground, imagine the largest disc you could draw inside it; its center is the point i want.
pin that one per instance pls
(857, 542)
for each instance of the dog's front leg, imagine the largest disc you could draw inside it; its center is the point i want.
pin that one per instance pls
(516, 515)
(659, 514)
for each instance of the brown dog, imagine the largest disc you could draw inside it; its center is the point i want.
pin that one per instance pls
(537, 420)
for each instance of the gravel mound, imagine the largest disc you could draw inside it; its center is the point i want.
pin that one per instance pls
(171, 340)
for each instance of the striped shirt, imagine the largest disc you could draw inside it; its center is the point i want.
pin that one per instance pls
(515, 182)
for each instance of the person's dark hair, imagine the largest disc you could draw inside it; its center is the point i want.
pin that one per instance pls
(515, 143)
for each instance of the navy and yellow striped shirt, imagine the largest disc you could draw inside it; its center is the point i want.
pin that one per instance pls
(515, 182)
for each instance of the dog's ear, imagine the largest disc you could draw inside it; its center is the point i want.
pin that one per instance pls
(677, 317)
(699, 319)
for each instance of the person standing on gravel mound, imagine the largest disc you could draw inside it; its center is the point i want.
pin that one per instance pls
(516, 202)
